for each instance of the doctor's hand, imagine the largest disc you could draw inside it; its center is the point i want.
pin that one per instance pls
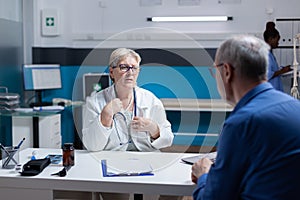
(113, 107)
(109, 110)
(199, 168)
(144, 124)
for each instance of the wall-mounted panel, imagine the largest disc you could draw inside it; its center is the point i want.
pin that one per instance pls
(11, 57)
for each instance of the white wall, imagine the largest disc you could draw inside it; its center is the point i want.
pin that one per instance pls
(84, 23)
(11, 10)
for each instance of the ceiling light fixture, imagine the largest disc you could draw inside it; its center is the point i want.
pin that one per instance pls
(190, 19)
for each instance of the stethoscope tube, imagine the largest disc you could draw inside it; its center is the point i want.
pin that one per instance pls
(134, 103)
(124, 118)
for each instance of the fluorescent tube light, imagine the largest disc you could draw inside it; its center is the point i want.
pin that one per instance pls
(190, 19)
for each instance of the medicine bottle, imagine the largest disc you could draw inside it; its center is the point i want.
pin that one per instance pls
(68, 155)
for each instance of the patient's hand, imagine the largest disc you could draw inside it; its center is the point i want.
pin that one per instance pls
(199, 168)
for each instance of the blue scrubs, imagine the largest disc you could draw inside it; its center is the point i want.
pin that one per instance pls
(272, 68)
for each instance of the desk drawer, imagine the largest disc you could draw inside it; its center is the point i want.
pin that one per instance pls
(51, 123)
(54, 142)
(50, 131)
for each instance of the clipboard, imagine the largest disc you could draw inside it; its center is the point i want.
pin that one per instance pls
(192, 159)
(133, 168)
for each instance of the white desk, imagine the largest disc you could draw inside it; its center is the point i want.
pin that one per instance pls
(171, 177)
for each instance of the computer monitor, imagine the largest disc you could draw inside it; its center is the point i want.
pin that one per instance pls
(94, 82)
(41, 77)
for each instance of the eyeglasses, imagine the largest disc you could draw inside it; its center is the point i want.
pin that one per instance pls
(213, 69)
(218, 65)
(125, 68)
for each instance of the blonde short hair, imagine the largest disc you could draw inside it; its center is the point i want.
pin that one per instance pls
(120, 54)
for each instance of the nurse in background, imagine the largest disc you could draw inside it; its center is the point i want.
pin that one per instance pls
(272, 37)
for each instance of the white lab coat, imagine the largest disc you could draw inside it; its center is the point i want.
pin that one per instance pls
(96, 137)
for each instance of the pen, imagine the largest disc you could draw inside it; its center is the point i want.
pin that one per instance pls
(21, 142)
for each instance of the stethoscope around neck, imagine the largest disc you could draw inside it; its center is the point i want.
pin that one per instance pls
(134, 103)
(121, 116)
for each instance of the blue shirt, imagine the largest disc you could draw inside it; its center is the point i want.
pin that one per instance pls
(259, 150)
(272, 68)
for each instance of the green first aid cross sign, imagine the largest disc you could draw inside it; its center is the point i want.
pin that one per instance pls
(49, 21)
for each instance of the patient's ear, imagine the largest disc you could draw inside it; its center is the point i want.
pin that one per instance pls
(228, 72)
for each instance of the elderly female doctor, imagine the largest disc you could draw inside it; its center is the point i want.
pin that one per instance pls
(124, 117)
